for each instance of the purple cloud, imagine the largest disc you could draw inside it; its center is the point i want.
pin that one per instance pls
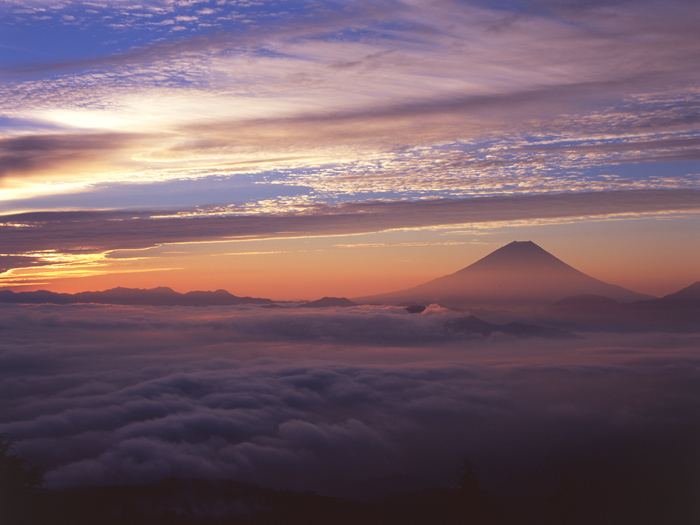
(96, 232)
(141, 394)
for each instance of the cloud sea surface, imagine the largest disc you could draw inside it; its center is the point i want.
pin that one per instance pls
(318, 400)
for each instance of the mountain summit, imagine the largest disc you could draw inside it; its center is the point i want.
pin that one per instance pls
(519, 256)
(520, 274)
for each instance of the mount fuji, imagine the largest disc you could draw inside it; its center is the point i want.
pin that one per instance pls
(518, 275)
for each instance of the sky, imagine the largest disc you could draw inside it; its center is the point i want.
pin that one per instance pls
(293, 150)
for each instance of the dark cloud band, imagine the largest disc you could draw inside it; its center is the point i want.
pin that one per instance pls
(95, 232)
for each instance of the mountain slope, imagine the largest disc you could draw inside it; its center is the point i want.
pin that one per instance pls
(678, 312)
(689, 294)
(520, 274)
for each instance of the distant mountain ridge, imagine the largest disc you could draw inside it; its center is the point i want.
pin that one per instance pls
(161, 296)
(329, 302)
(520, 274)
(675, 312)
(689, 294)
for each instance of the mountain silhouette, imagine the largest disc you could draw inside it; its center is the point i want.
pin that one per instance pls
(328, 302)
(688, 295)
(161, 296)
(677, 312)
(520, 274)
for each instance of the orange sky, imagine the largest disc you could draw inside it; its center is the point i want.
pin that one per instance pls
(644, 254)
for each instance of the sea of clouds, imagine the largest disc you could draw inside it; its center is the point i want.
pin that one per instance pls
(322, 399)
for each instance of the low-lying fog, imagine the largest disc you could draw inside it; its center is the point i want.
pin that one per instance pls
(323, 399)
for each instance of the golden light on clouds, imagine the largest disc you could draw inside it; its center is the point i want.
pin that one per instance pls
(352, 119)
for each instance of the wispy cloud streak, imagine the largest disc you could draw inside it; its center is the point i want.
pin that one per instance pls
(96, 232)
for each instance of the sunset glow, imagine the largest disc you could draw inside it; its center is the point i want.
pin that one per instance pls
(171, 111)
(414, 256)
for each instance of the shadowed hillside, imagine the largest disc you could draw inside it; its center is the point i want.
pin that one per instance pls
(676, 312)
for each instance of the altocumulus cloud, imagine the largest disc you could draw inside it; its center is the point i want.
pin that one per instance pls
(283, 398)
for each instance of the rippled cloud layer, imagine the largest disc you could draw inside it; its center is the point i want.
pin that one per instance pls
(297, 399)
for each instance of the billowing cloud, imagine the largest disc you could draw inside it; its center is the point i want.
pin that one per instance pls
(102, 394)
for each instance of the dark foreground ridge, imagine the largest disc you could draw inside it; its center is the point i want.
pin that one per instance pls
(571, 497)
(161, 296)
